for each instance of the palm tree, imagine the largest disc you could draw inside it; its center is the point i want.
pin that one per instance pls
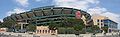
(52, 26)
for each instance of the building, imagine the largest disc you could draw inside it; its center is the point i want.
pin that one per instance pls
(98, 20)
(44, 30)
(111, 24)
(3, 29)
(43, 15)
(103, 21)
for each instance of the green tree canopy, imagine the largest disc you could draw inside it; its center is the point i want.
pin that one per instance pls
(95, 27)
(52, 25)
(9, 23)
(31, 27)
(105, 28)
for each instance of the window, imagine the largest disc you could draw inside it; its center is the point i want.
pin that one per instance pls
(48, 31)
(101, 23)
(97, 23)
(101, 20)
(43, 31)
(97, 20)
(40, 31)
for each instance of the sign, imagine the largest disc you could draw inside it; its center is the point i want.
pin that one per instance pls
(78, 15)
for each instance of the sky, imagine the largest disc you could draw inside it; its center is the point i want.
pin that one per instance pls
(108, 8)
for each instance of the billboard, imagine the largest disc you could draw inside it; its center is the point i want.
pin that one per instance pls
(78, 15)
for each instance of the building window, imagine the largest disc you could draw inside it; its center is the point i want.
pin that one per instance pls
(40, 31)
(97, 23)
(43, 31)
(102, 25)
(97, 20)
(48, 31)
(101, 20)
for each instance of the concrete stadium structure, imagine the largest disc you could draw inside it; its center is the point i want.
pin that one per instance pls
(43, 15)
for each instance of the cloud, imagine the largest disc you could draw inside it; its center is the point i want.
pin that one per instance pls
(112, 16)
(104, 12)
(96, 10)
(38, 0)
(16, 10)
(87, 5)
(78, 4)
(24, 3)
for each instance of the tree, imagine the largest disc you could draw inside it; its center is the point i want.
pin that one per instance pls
(105, 28)
(52, 26)
(0, 24)
(95, 29)
(77, 24)
(78, 27)
(10, 24)
(70, 22)
(30, 27)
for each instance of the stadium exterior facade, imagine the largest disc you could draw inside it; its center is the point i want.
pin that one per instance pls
(43, 15)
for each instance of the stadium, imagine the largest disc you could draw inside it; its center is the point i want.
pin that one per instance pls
(43, 15)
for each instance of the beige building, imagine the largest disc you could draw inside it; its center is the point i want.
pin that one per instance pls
(44, 30)
(98, 20)
(3, 29)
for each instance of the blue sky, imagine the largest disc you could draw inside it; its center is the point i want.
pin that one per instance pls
(7, 5)
(110, 8)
